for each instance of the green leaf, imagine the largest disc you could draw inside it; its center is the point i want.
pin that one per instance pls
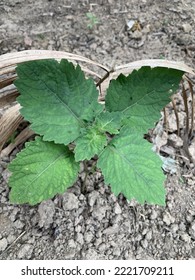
(128, 163)
(130, 167)
(142, 95)
(56, 98)
(91, 143)
(93, 140)
(109, 122)
(40, 171)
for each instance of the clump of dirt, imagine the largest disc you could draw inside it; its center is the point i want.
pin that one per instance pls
(96, 224)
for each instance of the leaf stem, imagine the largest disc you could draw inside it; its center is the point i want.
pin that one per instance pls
(98, 84)
(165, 120)
(176, 115)
(192, 112)
(83, 186)
(185, 99)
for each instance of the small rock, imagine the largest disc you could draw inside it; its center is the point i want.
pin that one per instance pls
(192, 230)
(6, 174)
(148, 235)
(46, 212)
(97, 241)
(99, 212)
(88, 236)
(136, 35)
(174, 228)
(3, 244)
(78, 228)
(193, 252)
(11, 238)
(27, 40)
(185, 237)
(13, 215)
(102, 247)
(146, 29)
(127, 226)
(130, 24)
(79, 238)
(116, 251)
(144, 243)
(157, 24)
(117, 209)
(138, 237)
(175, 140)
(72, 244)
(183, 39)
(171, 120)
(129, 256)
(93, 46)
(189, 218)
(153, 215)
(92, 197)
(6, 225)
(168, 219)
(192, 149)
(3, 199)
(18, 224)
(169, 165)
(191, 181)
(70, 201)
(187, 27)
(193, 226)
(182, 226)
(25, 251)
(111, 230)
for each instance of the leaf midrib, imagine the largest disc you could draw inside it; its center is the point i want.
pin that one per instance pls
(51, 91)
(137, 102)
(46, 168)
(129, 162)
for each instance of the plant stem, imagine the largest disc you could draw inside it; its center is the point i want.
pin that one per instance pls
(185, 99)
(165, 120)
(83, 186)
(192, 112)
(98, 84)
(176, 115)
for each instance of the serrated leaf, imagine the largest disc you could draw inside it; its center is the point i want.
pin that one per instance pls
(142, 95)
(91, 143)
(40, 171)
(56, 98)
(128, 163)
(130, 167)
(109, 122)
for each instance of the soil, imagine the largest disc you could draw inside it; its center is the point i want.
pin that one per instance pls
(97, 224)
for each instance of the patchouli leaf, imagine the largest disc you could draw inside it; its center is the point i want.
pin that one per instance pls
(130, 167)
(91, 143)
(142, 95)
(40, 171)
(109, 122)
(56, 98)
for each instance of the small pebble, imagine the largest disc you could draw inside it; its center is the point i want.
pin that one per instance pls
(70, 201)
(25, 251)
(3, 244)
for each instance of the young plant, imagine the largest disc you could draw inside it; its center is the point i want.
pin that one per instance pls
(62, 107)
(92, 20)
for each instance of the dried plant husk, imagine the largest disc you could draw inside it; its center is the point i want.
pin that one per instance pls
(10, 117)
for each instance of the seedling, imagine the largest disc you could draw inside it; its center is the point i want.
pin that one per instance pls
(93, 21)
(62, 107)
